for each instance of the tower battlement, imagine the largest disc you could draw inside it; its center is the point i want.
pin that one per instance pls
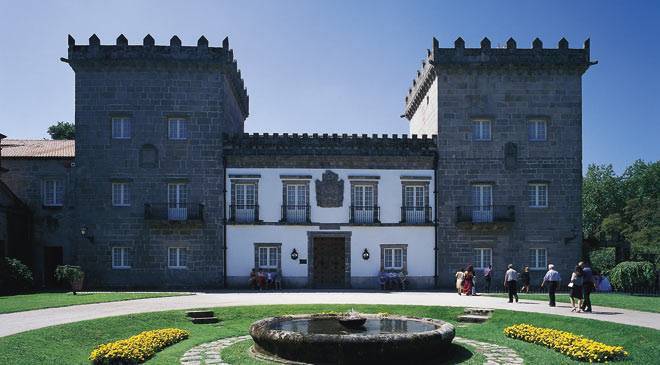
(485, 57)
(121, 54)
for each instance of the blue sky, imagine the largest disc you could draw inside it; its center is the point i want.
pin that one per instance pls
(343, 66)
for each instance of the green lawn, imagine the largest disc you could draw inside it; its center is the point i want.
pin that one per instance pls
(614, 300)
(19, 303)
(72, 343)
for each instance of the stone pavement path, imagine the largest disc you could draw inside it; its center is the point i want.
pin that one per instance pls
(495, 354)
(11, 323)
(211, 352)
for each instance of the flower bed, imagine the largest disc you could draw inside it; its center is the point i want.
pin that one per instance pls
(575, 346)
(137, 349)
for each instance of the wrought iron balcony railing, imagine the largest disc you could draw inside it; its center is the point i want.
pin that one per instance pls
(296, 213)
(243, 213)
(485, 214)
(361, 214)
(416, 215)
(174, 211)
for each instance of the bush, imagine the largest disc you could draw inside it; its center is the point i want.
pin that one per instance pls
(631, 276)
(603, 260)
(137, 349)
(72, 275)
(572, 345)
(15, 277)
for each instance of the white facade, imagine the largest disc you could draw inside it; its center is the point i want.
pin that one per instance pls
(418, 237)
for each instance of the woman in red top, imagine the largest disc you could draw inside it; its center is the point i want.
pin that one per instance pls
(468, 280)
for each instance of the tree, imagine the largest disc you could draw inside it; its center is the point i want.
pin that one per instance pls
(62, 130)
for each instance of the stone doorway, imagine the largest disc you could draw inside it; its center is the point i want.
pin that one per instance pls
(329, 260)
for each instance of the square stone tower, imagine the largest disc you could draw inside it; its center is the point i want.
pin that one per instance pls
(509, 127)
(149, 167)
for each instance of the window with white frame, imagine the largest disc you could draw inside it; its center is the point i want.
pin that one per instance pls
(393, 258)
(177, 128)
(482, 203)
(121, 128)
(481, 130)
(363, 196)
(268, 257)
(538, 258)
(483, 257)
(244, 207)
(120, 194)
(538, 195)
(120, 258)
(537, 130)
(177, 199)
(53, 193)
(177, 257)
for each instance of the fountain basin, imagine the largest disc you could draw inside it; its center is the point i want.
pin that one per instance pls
(321, 339)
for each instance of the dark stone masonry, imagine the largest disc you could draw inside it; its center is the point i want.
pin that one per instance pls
(165, 122)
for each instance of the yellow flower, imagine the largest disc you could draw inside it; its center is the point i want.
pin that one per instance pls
(137, 349)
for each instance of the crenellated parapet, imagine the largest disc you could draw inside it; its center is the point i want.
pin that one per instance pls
(486, 57)
(149, 55)
(329, 144)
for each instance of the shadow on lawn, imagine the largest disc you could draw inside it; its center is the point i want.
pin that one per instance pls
(456, 354)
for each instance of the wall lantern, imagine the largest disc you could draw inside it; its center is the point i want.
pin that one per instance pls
(365, 254)
(84, 231)
(294, 254)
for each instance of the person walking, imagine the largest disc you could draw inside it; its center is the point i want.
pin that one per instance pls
(525, 280)
(552, 278)
(510, 282)
(576, 289)
(460, 274)
(488, 277)
(588, 285)
(467, 280)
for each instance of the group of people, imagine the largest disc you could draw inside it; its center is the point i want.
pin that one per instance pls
(260, 279)
(581, 285)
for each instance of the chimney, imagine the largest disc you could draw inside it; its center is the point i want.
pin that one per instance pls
(2, 136)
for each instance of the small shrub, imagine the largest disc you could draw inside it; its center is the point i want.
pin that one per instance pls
(572, 345)
(633, 275)
(603, 260)
(137, 349)
(15, 277)
(71, 275)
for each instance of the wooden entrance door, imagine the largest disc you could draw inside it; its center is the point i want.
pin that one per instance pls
(329, 262)
(53, 257)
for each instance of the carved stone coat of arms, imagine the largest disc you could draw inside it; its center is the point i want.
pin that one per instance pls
(329, 190)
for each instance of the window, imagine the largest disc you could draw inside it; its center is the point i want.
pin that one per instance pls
(268, 257)
(177, 128)
(483, 257)
(120, 195)
(482, 201)
(245, 202)
(120, 258)
(415, 200)
(415, 195)
(363, 209)
(121, 128)
(53, 193)
(537, 130)
(481, 130)
(393, 258)
(538, 195)
(177, 257)
(177, 199)
(296, 202)
(538, 258)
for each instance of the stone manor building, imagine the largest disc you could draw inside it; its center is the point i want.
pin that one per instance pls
(163, 188)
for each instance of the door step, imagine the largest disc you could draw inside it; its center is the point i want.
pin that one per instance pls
(473, 318)
(479, 311)
(204, 320)
(202, 317)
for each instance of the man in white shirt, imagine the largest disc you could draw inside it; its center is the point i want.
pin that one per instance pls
(510, 282)
(553, 279)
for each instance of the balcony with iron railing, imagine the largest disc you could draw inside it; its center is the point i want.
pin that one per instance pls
(243, 213)
(416, 215)
(174, 211)
(360, 214)
(485, 216)
(296, 214)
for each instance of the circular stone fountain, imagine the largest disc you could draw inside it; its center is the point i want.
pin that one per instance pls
(322, 339)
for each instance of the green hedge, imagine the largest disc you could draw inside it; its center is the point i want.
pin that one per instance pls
(15, 277)
(633, 276)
